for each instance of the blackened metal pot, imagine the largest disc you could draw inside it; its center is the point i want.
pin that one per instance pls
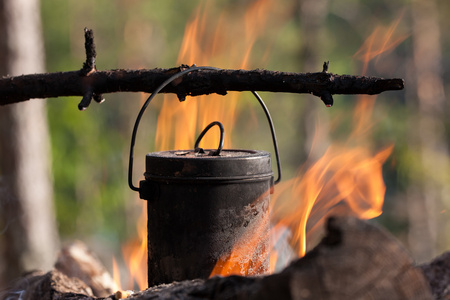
(200, 206)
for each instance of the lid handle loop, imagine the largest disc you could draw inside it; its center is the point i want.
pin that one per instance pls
(202, 134)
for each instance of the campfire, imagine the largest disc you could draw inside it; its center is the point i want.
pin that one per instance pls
(218, 224)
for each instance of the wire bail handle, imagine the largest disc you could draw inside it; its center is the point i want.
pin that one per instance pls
(216, 152)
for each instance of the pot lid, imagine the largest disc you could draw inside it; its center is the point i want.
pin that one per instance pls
(231, 163)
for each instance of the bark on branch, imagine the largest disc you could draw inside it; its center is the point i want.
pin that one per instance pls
(90, 83)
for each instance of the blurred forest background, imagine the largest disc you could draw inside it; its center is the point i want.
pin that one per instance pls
(89, 149)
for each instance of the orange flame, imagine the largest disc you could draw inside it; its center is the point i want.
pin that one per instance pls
(135, 254)
(382, 40)
(207, 44)
(344, 180)
(116, 274)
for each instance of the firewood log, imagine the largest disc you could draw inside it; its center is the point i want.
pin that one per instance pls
(76, 260)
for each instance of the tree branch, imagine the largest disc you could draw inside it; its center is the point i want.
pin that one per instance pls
(321, 84)
(91, 54)
(90, 83)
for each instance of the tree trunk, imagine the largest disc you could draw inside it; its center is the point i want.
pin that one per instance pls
(28, 235)
(427, 194)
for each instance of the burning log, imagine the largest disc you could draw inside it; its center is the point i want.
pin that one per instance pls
(355, 260)
(92, 84)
